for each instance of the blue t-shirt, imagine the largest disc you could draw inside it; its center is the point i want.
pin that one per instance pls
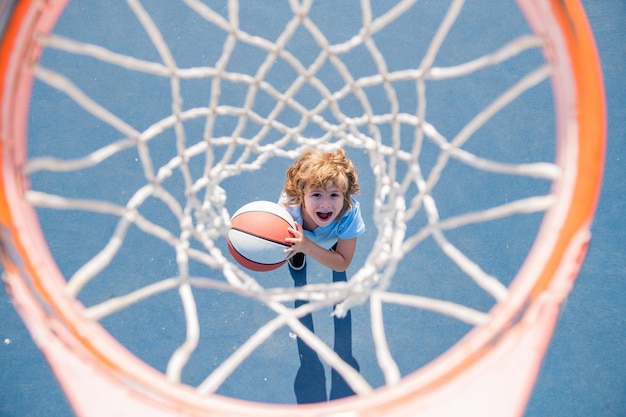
(350, 225)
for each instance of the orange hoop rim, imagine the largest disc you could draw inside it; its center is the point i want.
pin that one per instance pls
(536, 293)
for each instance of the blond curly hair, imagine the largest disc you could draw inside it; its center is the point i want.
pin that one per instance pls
(314, 169)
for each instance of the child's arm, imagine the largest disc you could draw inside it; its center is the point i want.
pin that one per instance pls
(337, 260)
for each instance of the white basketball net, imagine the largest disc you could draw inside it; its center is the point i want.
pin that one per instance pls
(403, 188)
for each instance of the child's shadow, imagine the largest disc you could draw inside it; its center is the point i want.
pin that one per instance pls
(310, 383)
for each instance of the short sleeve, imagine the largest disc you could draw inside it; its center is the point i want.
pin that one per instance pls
(351, 223)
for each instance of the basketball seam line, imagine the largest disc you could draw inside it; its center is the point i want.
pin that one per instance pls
(261, 237)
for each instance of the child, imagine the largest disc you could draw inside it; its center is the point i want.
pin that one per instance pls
(318, 194)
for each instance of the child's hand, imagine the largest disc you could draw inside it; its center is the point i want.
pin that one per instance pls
(298, 242)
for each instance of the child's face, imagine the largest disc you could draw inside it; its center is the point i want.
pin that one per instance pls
(321, 207)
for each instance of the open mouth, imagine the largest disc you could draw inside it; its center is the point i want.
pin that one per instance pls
(324, 216)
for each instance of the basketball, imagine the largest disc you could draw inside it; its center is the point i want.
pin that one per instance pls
(256, 239)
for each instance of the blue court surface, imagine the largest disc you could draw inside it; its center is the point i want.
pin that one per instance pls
(584, 370)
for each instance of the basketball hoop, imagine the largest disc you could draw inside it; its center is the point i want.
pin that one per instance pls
(491, 370)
